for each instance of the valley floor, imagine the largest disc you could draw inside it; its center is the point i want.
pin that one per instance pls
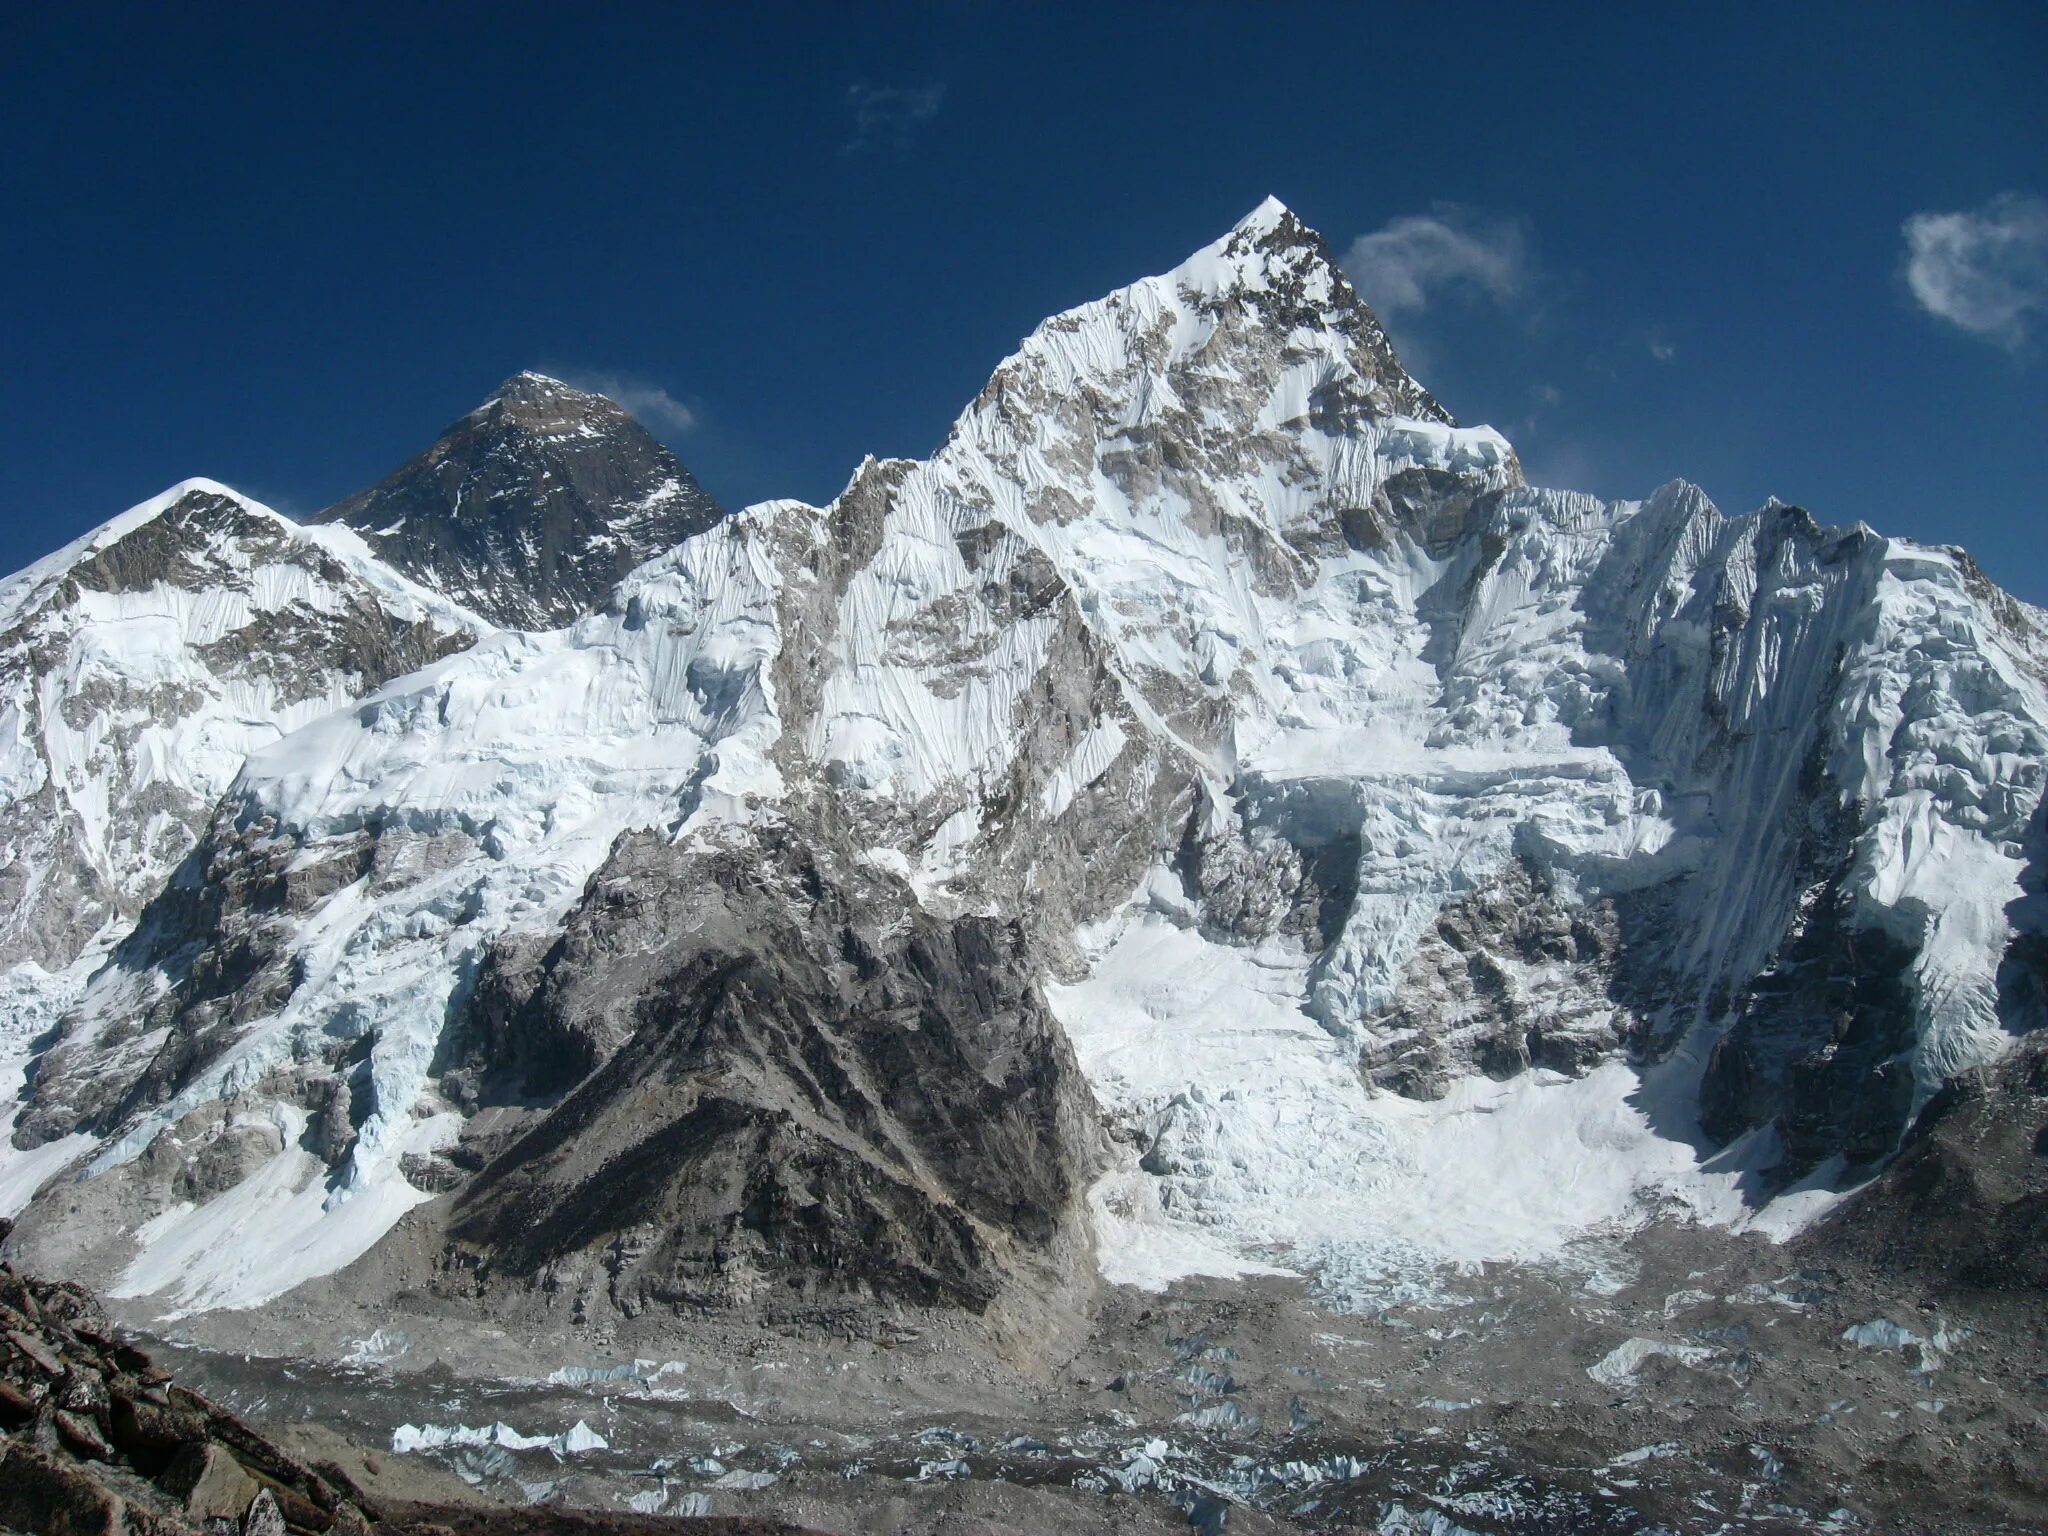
(1726, 1385)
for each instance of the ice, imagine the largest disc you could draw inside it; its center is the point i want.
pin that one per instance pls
(746, 1482)
(31, 1000)
(381, 1347)
(1618, 1367)
(1265, 1149)
(409, 1439)
(1663, 1450)
(1880, 1333)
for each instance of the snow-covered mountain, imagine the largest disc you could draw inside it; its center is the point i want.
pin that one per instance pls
(532, 507)
(1211, 745)
(140, 666)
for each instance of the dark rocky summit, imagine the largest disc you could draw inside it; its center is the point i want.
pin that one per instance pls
(530, 508)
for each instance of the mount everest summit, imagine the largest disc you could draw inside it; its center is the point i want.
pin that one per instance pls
(1212, 817)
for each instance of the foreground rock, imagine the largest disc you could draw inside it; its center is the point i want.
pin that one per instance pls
(96, 1440)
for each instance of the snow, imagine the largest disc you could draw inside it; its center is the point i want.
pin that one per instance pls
(124, 714)
(1265, 1149)
(276, 1228)
(523, 758)
(409, 1439)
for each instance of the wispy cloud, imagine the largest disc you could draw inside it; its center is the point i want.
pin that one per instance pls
(1401, 267)
(1984, 270)
(651, 405)
(889, 116)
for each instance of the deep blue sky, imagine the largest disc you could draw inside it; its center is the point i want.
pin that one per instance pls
(283, 246)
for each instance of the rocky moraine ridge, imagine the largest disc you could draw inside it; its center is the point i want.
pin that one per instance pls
(1212, 824)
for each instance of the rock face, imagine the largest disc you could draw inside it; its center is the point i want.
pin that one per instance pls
(1964, 1209)
(96, 1441)
(789, 1087)
(531, 508)
(1210, 719)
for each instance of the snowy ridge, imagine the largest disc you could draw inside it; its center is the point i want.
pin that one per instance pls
(143, 640)
(142, 664)
(657, 712)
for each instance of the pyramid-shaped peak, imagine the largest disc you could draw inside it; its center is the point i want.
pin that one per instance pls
(1271, 214)
(1269, 244)
(530, 509)
(539, 390)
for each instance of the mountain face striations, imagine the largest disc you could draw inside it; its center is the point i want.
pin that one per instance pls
(1212, 816)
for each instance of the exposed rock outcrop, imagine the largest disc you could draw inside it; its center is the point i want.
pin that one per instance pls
(792, 1089)
(100, 1442)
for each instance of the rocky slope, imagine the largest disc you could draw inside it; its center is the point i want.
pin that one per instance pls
(96, 1439)
(1411, 868)
(532, 507)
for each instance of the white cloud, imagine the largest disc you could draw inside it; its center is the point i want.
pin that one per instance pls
(651, 405)
(1661, 350)
(1400, 267)
(1984, 271)
(889, 114)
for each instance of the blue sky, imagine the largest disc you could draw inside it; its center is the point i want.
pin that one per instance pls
(1793, 250)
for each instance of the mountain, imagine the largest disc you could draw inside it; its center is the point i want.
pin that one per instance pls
(531, 508)
(139, 667)
(144, 662)
(1212, 745)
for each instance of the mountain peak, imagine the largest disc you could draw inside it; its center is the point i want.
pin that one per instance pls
(1270, 214)
(537, 402)
(1270, 276)
(532, 507)
(530, 388)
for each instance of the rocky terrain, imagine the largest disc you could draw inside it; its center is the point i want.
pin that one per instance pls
(96, 1439)
(1209, 855)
